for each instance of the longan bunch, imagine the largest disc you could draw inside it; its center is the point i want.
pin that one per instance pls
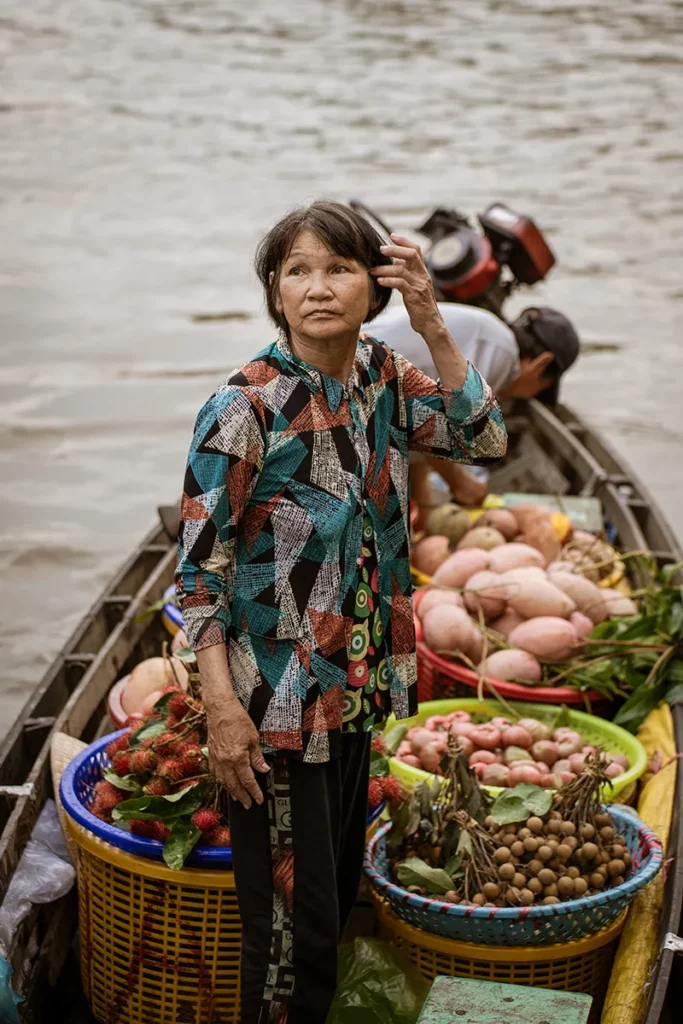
(552, 860)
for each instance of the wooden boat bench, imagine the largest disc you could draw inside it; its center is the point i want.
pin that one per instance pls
(471, 1001)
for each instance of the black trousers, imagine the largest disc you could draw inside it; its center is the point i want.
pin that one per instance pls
(298, 860)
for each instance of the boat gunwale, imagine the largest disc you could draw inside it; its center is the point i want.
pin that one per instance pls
(560, 440)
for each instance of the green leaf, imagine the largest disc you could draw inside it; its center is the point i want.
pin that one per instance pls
(639, 705)
(415, 871)
(161, 808)
(667, 574)
(518, 803)
(158, 606)
(394, 737)
(379, 764)
(147, 732)
(161, 706)
(536, 800)
(674, 671)
(127, 782)
(675, 694)
(185, 654)
(453, 868)
(508, 808)
(183, 837)
(450, 839)
(464, 844)
(606, 630)
(399, 823)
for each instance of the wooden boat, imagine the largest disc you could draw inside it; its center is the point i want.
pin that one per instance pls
(550, 452)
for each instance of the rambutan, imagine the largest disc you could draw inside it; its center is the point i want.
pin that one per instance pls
(142, 761)
(157, 787)
(149, 829)
(218, 837)
(192, 761)
(375, 794)
(121, 762)
(167, 744)
(180, 705)
(392, 790)
(379, 746)
(107, 797)
(171, 769)
(206, 819)
(120, 743)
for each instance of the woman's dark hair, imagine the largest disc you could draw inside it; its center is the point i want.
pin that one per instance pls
(344, 232)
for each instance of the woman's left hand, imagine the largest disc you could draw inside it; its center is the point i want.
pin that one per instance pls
(409, 275)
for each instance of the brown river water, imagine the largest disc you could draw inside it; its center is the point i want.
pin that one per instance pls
(146, 145)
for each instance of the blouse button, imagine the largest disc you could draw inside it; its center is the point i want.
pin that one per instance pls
(359, 561)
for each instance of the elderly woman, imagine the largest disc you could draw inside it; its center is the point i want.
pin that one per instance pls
(294, 578)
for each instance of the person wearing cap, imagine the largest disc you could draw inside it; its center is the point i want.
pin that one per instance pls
(525, 359)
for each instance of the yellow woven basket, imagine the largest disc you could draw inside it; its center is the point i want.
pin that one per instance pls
(157, 946)
(581, 966)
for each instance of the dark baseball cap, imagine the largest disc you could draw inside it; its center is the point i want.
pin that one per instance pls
(547, 330)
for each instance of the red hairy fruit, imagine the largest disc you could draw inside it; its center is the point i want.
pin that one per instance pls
(107, 797)
(375, 794)
(392, 790)
(219, 837)
(206, 819)
(121, 763)
(378, 745)
(167, 744)
(157, 787)
(171, 769)
(149, 830)
(120, 743)
(192, 761)
(142, 761)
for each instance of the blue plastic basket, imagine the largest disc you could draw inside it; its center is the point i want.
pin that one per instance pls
(77, 790)
(171, 614)
(522, 926)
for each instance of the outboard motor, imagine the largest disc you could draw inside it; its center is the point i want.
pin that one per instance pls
(480, 265)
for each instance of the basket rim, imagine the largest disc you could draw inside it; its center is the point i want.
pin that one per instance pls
(611, 731)
(172, 611)
(219, 857)
(515, 691)
(644, 874)
(148, 848)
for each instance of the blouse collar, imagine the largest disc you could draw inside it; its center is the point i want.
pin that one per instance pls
(334, 390)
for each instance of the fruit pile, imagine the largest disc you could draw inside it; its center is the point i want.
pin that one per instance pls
(511, 598)
(383, 787)
(505, 753)
(529, 847)
(158, 784)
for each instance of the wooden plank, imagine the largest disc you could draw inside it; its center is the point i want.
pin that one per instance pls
(78, 710)
(474, 1001)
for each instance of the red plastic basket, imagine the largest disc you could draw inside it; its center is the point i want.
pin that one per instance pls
(439, 678)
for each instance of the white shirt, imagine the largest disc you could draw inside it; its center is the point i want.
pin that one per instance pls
(481, 337)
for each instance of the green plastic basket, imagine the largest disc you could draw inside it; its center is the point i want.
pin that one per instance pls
(594, 730)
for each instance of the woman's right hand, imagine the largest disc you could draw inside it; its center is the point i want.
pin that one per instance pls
(235, 751)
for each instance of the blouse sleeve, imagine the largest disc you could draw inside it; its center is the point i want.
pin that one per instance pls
(225, 458)
(464, 425)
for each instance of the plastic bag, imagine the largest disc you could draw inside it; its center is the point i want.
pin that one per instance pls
(44, 874)
(8, 1001)
(377, 985)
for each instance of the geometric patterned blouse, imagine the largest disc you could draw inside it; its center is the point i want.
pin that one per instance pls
(286, 468)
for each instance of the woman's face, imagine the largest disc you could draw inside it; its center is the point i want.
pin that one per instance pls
(322, 296)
